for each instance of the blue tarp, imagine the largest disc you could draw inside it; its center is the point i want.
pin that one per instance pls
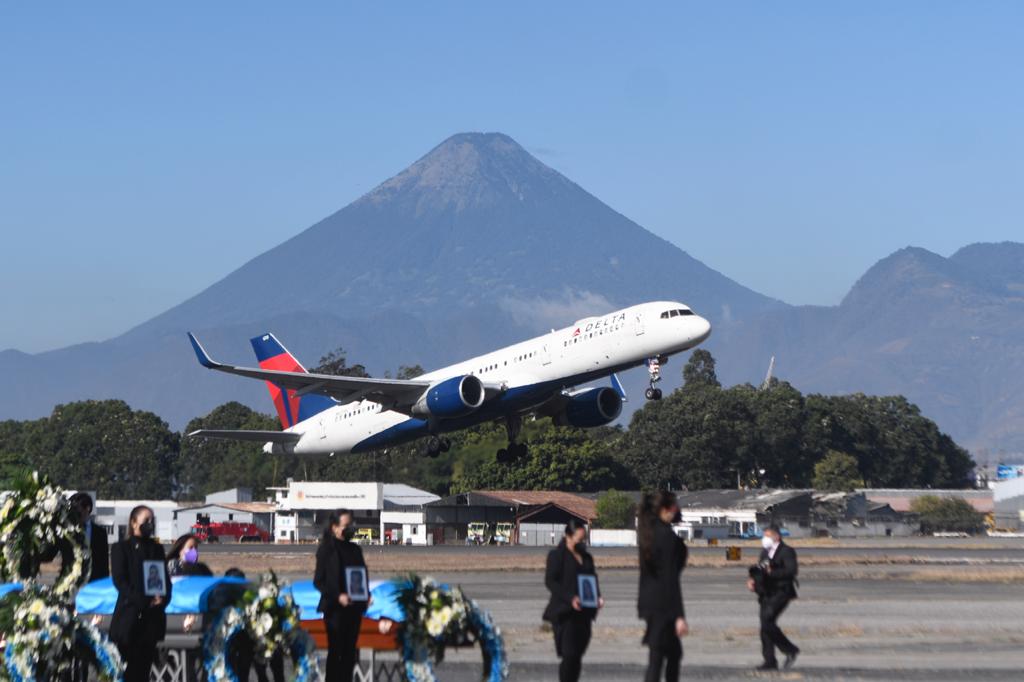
(384, 604)
(190, 594)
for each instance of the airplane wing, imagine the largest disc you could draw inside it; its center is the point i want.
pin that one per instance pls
(255, 436)
(393, 392)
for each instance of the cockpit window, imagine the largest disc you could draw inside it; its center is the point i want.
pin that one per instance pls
(675, 313)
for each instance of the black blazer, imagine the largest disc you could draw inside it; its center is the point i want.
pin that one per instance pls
(782, 578)
(100, 551)
(136, 621)
(560, 579)
(660, 595)
(332, 557)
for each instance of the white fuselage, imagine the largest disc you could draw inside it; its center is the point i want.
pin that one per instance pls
(529, 373)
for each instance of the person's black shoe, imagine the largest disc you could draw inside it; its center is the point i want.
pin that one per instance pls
(767, 666)
(790, 660)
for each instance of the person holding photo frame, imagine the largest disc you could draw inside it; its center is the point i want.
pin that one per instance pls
(343, 583)
(575, 598)
(143, 592)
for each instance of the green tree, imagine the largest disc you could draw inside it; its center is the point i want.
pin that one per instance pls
(336, 363)
(14, 463)
(207, 465)
(106, 446)
(615, 510)
(699, 371)
(837, 472)
(947, 514)
(409, 372)
(559, 459)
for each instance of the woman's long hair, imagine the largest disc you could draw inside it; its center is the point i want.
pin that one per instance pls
(650, 509)
(333, 519)
(175, 552)
(134, 515)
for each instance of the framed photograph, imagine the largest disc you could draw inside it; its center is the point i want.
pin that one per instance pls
(587, 590)
(154, 579)
(355, 579)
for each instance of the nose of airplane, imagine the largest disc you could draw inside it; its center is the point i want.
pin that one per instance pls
(703, 329)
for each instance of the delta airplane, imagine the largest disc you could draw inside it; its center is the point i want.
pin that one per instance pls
(326, 414)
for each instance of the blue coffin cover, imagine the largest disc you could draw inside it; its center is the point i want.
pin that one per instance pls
(190, 594)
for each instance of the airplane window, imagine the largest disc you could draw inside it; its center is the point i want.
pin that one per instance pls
(664, 315)
(686, 312)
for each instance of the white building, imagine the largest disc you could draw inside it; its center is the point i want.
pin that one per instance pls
(112, 515)
(226, 506)
(388, 509)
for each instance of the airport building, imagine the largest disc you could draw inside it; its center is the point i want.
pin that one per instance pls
(1008, 505)
(528, 517)
(381, 510)
(801, 513)
(225, 507)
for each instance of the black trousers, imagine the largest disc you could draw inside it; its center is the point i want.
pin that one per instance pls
(572, 636)
(665, 649)
(138, 658)
(772, 606)
(342, 634)
(242, 657)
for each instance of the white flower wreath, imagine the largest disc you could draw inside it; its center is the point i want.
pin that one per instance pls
(34, 518)
(271, 620)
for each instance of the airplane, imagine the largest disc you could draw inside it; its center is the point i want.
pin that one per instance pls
(327, 414)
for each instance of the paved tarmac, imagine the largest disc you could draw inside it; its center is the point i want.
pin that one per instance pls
(849, 628)
(854, 621)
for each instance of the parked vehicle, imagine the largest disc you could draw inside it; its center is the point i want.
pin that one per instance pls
(230, 531)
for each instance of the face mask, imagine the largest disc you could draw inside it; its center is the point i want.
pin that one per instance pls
(147, 529)
(191, 556)
(767, 542)
(348, 533)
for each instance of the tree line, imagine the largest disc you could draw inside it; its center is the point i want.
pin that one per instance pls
(700, 436)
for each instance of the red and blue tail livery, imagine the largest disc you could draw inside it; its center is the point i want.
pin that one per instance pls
(292, 407)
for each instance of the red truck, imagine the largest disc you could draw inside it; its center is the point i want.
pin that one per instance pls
(230, 531)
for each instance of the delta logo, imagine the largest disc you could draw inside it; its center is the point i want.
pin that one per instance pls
(577, 332)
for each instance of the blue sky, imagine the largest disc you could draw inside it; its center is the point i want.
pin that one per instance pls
(147, 150)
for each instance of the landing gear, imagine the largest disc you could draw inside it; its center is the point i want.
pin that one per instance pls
(436, 445)
(654, 374)
(513, 425)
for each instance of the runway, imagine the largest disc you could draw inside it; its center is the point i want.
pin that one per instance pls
(907, 609)
(858, 628)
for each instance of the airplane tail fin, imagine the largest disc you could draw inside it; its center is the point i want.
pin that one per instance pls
(291, 408)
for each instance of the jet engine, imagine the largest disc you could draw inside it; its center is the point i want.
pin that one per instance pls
(455, 397)
(589, 408)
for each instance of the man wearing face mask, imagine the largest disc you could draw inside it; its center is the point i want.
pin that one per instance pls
(139, 621)
(343, 612)
(774, 581)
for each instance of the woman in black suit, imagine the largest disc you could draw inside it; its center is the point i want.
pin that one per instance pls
(342, 614)
(569, 618)
(139, 621)
(660, 603)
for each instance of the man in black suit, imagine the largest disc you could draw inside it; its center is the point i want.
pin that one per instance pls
(775, 587)
(95, 537)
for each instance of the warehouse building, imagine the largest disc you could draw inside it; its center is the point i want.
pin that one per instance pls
(528, 517)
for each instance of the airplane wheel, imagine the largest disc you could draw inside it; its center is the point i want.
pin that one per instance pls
(649, 394)
(657, 394)
(519, 450)
(433, 446)
(446, 445)
(502, 456)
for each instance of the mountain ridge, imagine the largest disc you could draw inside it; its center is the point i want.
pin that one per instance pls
(478, 244)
